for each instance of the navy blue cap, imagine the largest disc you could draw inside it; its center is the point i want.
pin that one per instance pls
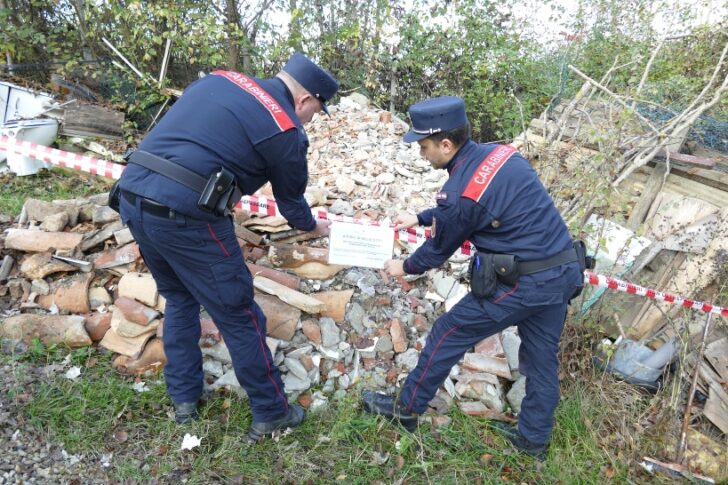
(435, 115)
(313, 78)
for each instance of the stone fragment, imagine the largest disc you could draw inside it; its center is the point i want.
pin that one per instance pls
(97, 324)
(384, 344)
(135, 311)
(408, 359)
(117, 257)
(38, 241)
(55, 222)
(399, 338)
(104, 214)
(484, 363)
(209, 335)
(476, 408)
(40, 265)
(335, 303)
(490, 346)
(128, 329)
(213, 367)
(131, 347)
(345, 184)
(511, 343)
(98, 296)
(312, 331)
(106, 233)
(516, 394)
(230, 382)
(123, 236)
(69, 294)
(50, 329)
(282, 319)
(39, 287)
(295, 384)
(139, 286)
(330, 333)
(39, 210)
(219, 352)
(296, 368)
(152, 359)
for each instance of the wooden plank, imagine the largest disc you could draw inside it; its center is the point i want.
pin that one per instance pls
(640, 210)
(93, 121)
(292, 297)
(689, 159)
(712, 178)
(716, 407)
(717, 354)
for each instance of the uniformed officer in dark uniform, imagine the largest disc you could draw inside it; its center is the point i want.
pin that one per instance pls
(494, 199)
(227, 135)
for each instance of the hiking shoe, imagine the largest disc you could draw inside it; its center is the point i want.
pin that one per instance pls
(185, 412)
(388, 407)
(513, 434)
(291, 419)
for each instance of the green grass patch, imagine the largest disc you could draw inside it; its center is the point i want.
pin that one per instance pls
(101, 413)
(48, 184)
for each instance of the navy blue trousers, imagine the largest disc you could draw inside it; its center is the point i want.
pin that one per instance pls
(537, 305)
(199, 263)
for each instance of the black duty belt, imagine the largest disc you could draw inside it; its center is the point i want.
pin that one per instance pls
(529, 267)
(149, 205)
(175, 172)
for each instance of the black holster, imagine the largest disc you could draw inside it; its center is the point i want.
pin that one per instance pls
(218, 195)
(585, 261)
(115, 197)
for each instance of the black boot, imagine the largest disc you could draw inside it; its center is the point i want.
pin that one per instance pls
(513, 434)
(291, 419)
(185, 412)
(388, 407)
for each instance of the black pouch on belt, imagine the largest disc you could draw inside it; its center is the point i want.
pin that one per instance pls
(585, 261)
(218, 192)
(114, 197)
(483, 278)
(506, 267)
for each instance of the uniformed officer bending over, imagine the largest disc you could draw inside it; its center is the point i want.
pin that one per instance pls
(494, 199)
(227, 135)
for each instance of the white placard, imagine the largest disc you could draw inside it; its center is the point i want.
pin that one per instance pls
(359, 245)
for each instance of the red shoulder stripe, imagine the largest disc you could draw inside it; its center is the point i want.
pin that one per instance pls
(488, 168)
(281, 118)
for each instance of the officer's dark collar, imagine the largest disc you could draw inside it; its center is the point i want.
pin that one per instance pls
(459, 156)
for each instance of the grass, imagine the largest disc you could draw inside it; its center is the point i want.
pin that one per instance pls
(100, 413)
(48, 184)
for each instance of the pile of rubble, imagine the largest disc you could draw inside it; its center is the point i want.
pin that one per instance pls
(75, 276)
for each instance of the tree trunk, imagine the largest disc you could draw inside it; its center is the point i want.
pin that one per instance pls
(79, 7)
(232, 21)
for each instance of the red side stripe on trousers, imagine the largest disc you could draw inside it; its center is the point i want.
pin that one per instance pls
(427, 367)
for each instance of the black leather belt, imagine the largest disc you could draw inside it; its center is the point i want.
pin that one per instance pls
(149, 205)
(529, 267)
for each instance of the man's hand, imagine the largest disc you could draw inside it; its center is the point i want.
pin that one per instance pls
(394, 267)
(322, 228)
(405, 221)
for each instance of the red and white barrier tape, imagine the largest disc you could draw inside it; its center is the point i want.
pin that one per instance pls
(619, 285)
(58, 157)
(267, 206)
